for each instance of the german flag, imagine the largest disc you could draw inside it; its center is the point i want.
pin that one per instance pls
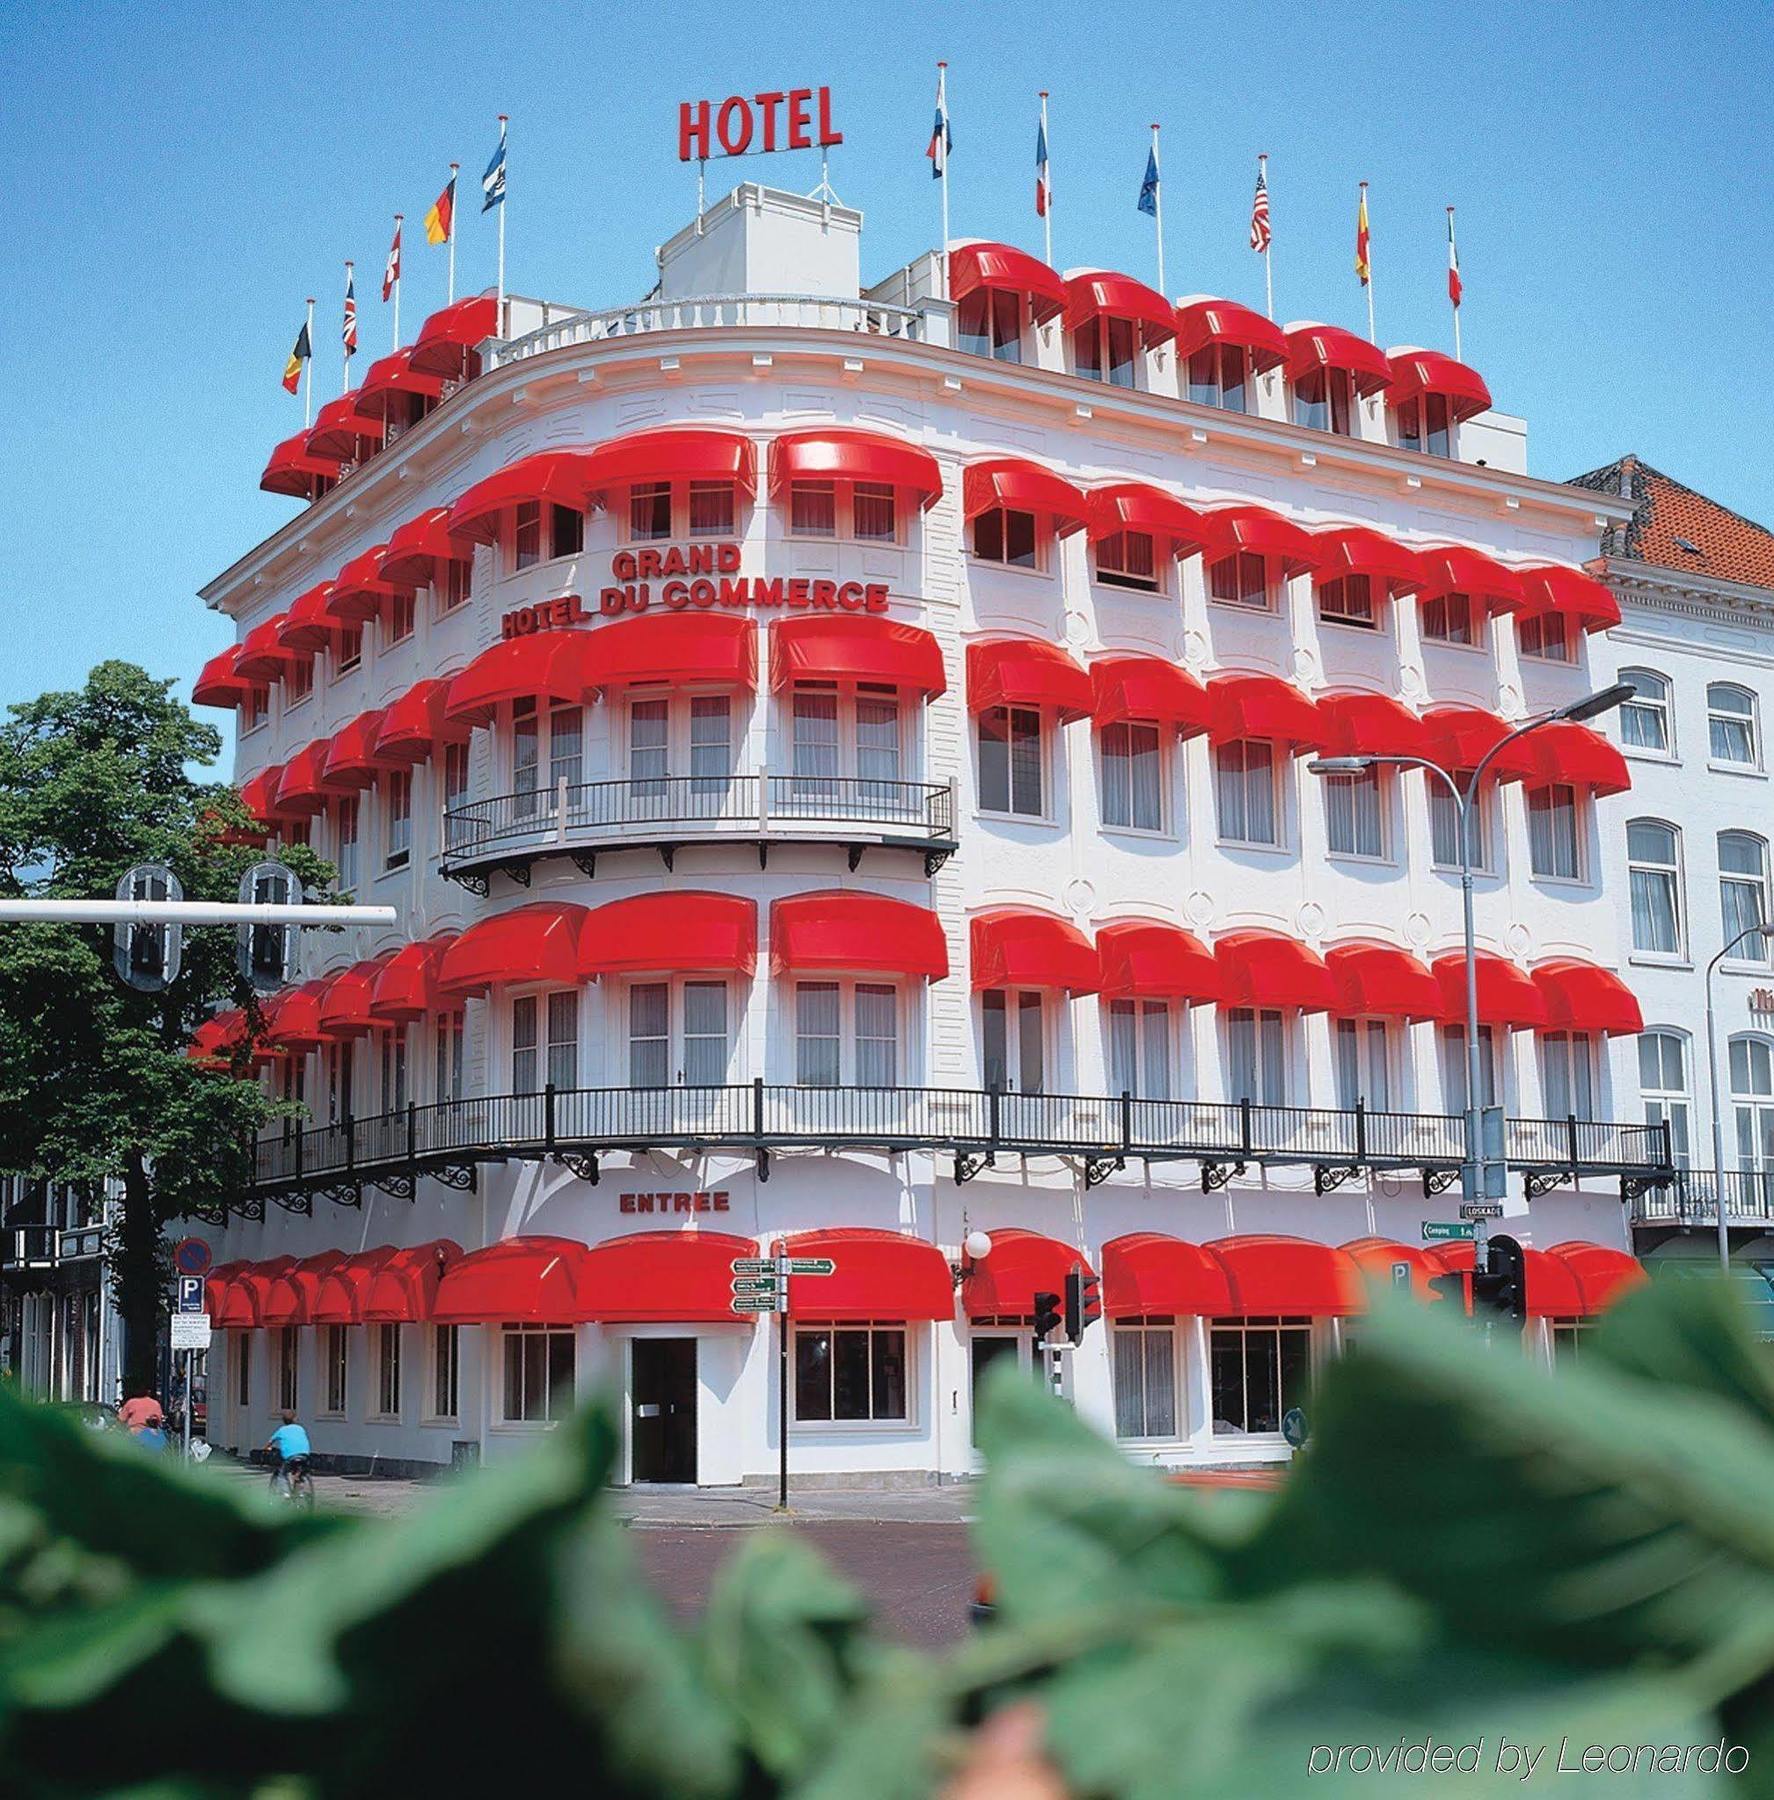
(441, 220)
(292, 370)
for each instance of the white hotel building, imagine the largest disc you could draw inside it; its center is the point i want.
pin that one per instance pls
(841, 765)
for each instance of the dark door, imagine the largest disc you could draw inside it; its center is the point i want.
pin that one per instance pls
(664, 1384)
(987, 1351)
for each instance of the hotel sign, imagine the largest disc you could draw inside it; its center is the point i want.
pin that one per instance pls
(744, 124)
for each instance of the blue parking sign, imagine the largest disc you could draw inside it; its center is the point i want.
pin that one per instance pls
(190, 1293)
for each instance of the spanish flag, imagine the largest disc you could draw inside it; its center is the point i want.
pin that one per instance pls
(441, 220)
(1363, 268)
(292, 370)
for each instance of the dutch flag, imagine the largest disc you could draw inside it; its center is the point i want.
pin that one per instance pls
(942, 139)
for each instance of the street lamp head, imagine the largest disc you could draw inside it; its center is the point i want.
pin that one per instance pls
(978, 1246)
(1593, 705)
(1339, 765)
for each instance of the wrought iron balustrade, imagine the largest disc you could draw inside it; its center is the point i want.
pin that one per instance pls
(1692, 1196)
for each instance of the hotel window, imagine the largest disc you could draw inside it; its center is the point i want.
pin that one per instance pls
(832, 730)
(1663, 1086)
(393, 1058)
(1256, 1055)
(1325, 400)
(397, 621)
(1241, 580)
(447, 1057)
(335, 1355)
(298, 679)
(1751, 1063)
(1145, 1374)
(388, 1371)
(1133, 776)
(1654, 874)
(397, 806)
(1245, 793)
(345, 835)
(243, 1368)
(1555, 850)
(1006, 537)
(1014, 1040)
(1453, 1067)
(538, 1388)
(874, 512)
(1128, 559)
(1426, 424)
(1106, 349)
(703, 728)
(341, 1095)
(1444, 829)
(1219, 375)
(1362, 1050)
(1644, 719)
(289, 1347)
(446, 1371)
(526, 534)
(850, 1372)
(690, 1015)
(1349, 600)
(1141, 1033)
(1545, 636)
(453, 584)
(1731, 732)
(990, 323)
(1355, 814)
(649, 510)
(1567, 1074)
(533, 1062)
(455, 777)
(1260, 1368)
(546, 750)
(711, 509)
(1012, 761)
(255, 709)
(1567, 1338)
(1743, 892)
(347, 650)
(846, 1034)
(294, 831)
(1449, 619)
(813, 508)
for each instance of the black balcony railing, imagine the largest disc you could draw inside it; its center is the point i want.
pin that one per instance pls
(1691, 1197)
(30, 1246)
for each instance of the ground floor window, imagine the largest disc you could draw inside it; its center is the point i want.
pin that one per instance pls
(445, 1371)
(243, 1368)
(1567, 1338)
(850, 1371)
(388, 1371)
(1260, 1368)
(539, 1374)
(1145, 1363)
(288, 1349)
(335, 1353)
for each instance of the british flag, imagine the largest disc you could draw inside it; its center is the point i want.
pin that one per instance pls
(349, 333)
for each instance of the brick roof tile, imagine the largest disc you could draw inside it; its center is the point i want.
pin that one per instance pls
(1676, 528)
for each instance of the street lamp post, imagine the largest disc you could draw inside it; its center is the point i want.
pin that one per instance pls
(1712, 1086)
(1466, 813)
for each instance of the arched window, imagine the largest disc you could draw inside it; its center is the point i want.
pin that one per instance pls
(1653, 861)
(1663, 1086)
(1733, 734)
(1743, 892)
(1645, 719)
(1752, 1101)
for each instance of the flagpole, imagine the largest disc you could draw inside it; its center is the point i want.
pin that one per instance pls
(1372, 337)
(942, 106)
(397, 219)
(308, 372)
(1453, 267)
(504, 189)
(1158, 210)
(1269, 240)
(455, 170)
(1046, 189)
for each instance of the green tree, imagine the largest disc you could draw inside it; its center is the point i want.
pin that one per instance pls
(94, 1082)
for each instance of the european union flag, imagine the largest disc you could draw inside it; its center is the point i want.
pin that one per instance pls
(1149, 187)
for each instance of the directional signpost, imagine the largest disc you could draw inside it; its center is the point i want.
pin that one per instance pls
(1441, 1230)
(760, 1285)
(1480, 1209)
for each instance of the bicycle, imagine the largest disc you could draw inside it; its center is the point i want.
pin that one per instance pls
(292, 1483)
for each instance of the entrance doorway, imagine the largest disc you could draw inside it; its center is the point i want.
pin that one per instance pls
(664, 1388)
(986, 1352)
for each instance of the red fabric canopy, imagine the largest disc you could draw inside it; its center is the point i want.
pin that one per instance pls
(1102, 295)
(240, 1305)
(259, 657)
(1021, 1265)
(974, 266)
(1147, 688)
(878, 1275)
(448, 338)
(391, 375)
(415, 550)
(1419, 372)
(345, 1005)
(1456, 737)
(304, 787)
(1026, 672)
(1020, 486)
(215, 1289)
(258, 794)
(677, 931)
(677, 1277)
(1565, 751)
(1381, 981)
(218, 683)
(292, 1018)
(1552, 1287)
(418, 725)
(1369, 725)
(843, 453)
(339, 1298)
(857, 932)
(676, 453)
(1557, 588)
(718, 649)
(1507, 995)
(1014, 947)
(1263, 968)
(1602, 1274)
(342, 432)
(1289, 1275)
(1135, 506)
(551, 477)
(359, 592)
(309, 626)
(1580, 996)
(549, 666)
(1229, 530)
(530, 1280)
(534, 943)
(290, 1295)
(1311, 347)
(1147, 959)
(1204, 322)
(1261, 706)
(1458, 569)
(1355, 550)
(848, 647)
(406, 987)
(1375, 1257)
(403, 1291)
(293, 471)
(351, 760)
(1147, 1273)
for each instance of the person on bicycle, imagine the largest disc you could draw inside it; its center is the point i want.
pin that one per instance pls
(289, 1450)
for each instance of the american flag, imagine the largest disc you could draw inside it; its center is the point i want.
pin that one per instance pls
(1259, 213)
(391, 271)
(349, 332)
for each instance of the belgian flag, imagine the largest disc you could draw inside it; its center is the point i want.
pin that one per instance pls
(292, 370)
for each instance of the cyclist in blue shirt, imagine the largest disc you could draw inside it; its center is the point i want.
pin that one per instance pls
(289, 1450)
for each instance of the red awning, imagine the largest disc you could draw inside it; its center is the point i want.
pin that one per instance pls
(391, 375)
(403, 1290)
(342, 433)
(1557, 588)
(527, 1280)
(260, 657)
(345, 1005)
(1355, 550)
(1147, 959)
(677, 453)
(1369, 725)
(1008, 270)
(1230, 530)
(1602, 1274)
(1020, 486)
(290, 1295)
(676, 648)
(1376, 1258)
(351, 760)
(845, 648)
(675, 1277)
(1014, 947)
(1100, 295)
(1456, 737)
(240, 1305)
(293, 471)
(1552, 1287)
(1147, 1273)
(1580, 996)
(1149, 689)
(1311, 347)
(1381, 981)
(258, 793)
(1419, 372)
(1134, 506)
(1263, 968)
(416, 549)
(1026, 672)
(359, 591)
(1507, 995)
(1021, 1265)
(843, 453)
(1458, 569)
(551, 477)
(450, 336)
(218, 683)
(677, 931)
(292, 1018)
(856, 932)
(1261, 706)
(304, 787)
(1287, 1275)
(215, 1289)
(549, 666)
(417, 725)
(406, 986)
(308, 626)
(1204, 322)
(535, 943)
(1565, 751)
(878, 1275)
(339, 1298)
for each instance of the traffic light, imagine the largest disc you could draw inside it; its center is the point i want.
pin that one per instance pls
(269, 954)
(147, 955)
(1084, 1302)
(1046, 1314)
(1502, 1291)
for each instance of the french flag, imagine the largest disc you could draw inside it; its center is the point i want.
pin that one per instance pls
(1043, 184)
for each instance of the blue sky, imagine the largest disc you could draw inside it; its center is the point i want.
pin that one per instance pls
(183, 177)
